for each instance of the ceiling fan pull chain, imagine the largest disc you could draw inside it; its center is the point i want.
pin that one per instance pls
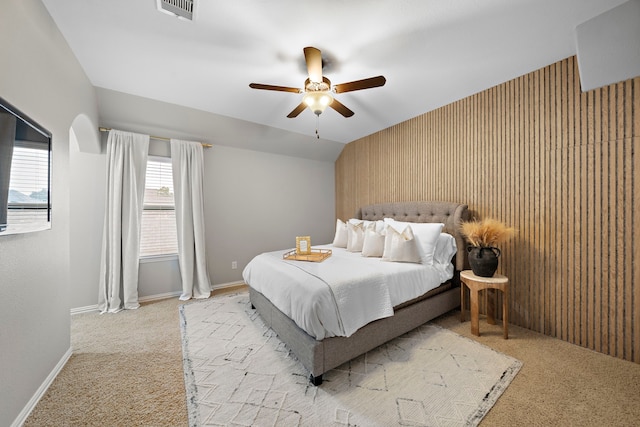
(317, 126)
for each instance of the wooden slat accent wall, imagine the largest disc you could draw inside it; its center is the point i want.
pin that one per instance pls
(561, 166)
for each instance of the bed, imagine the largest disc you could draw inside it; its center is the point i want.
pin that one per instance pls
(321, 355)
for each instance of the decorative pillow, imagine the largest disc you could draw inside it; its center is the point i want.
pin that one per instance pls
(426, 235)
(340, 239)
(355, 237)
(379, 223)
(400, 246)
(373, 245)
(446, 248)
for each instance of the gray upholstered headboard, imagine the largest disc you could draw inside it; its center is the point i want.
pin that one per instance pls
(448, 213)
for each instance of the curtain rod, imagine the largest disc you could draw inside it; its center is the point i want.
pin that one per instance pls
(162, 138)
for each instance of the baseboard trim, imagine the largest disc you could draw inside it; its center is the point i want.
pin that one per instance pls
(86, 309)
(157, 297)
(227, 285)
(26, 411)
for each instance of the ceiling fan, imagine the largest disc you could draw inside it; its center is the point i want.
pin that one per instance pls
(318, 89)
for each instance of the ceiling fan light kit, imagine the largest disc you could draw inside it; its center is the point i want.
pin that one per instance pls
(318, 90)
(317, 101)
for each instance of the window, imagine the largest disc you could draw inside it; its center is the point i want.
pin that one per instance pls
(159, 236)
(28, 198)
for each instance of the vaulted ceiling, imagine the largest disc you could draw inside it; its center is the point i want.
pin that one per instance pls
(432, 52)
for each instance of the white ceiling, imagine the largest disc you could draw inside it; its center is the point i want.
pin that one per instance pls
(432, 52)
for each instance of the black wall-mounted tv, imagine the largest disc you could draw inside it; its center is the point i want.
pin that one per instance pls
(25, 173)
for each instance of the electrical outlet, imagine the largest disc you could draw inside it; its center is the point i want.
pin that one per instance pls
(234, 265)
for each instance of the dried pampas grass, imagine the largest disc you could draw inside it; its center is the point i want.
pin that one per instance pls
(486, 233)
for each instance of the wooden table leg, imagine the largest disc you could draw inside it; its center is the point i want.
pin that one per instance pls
(475, 322)
(505, 311)
(491, 305)
(462, 314)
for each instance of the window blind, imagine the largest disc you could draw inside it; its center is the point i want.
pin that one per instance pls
(158, 236)
(28, 186)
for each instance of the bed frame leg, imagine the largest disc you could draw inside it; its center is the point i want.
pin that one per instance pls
(316, 381)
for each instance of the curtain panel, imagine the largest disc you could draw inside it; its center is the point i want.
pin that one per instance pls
(126, 168)
(188, 177)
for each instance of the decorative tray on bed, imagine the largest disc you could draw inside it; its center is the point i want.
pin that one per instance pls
(316, 255)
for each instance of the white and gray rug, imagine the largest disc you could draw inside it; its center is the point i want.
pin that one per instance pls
(238, 373)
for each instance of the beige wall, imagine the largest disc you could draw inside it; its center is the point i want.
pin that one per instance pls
(561, 166)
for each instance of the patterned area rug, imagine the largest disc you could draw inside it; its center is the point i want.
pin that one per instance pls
(238, 373)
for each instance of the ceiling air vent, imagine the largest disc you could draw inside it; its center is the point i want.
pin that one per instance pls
(179, 8)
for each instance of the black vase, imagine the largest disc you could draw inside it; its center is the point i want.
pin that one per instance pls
(483, 261)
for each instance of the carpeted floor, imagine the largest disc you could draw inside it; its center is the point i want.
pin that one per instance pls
(127, 370)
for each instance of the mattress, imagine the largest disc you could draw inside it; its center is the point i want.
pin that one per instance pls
(343, 293)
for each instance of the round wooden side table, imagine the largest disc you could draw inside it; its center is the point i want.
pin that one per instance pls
(477, 284)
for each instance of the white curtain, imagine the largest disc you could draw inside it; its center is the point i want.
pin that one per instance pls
(188, 176)
(126, 169)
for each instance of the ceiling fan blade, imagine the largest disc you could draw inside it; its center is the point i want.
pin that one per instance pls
(313, 57)
(299, 109)
(272, 87)
(360, 84)
(340, 108)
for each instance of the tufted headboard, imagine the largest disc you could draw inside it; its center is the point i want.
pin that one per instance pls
(448, 213)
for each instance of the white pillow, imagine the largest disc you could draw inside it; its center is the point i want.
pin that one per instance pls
(426, 235)
(379, 223)
(373, 245)
(340, 239)
(446, 248)
(355, 237)
(400, 246)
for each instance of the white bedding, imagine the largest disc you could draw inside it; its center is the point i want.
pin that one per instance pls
(343, 293)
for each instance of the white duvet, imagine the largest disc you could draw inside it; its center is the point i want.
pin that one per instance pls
(346, 291)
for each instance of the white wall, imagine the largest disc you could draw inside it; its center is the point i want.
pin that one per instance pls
(41, 77)
(258, 202)
(87, 183)
(608, 46)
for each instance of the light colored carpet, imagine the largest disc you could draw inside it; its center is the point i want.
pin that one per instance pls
(238, 372)
(126, 369)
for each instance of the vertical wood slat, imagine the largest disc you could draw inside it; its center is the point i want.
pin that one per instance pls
(551, 248)
(584, 214)
(559, 165)
(590, 172)
(635, 221)
(597, 221)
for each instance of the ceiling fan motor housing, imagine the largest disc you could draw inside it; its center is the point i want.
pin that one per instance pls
(323, 86)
